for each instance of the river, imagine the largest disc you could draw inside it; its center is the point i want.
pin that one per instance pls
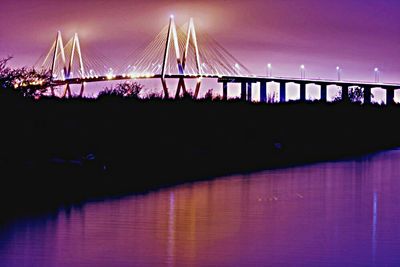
(344, 213)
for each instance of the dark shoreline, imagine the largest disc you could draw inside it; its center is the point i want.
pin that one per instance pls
(61, 152)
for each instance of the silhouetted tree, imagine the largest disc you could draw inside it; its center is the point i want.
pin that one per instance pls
(125, 90)
(272, 97)
(187, 95)
(27, 82)
(154, 95)
(5, 81)
(209, 95)
(356, 94)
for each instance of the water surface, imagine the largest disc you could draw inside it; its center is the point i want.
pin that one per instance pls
(329, 214)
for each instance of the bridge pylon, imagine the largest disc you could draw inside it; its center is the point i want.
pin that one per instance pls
(191, 37)
(60, 62)
(58, 52)
(172, 34)
(76, 48)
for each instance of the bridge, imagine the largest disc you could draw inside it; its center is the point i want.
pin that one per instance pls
(180, 53)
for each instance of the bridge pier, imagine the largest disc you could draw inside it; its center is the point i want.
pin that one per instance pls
(389, 97)
(302, 92)
(165, 88)
(67, 91)
(243, 91)
(225, 90)
(263, 91)
(324, 92)
(249, 96)
(82, 89)
(282, 92)
(367, 95)
(345, 92)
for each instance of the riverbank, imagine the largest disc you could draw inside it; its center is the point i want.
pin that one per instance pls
(58, 152)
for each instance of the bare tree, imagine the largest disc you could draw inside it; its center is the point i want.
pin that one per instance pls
(125, 90)
(356, 94)
(28, 82)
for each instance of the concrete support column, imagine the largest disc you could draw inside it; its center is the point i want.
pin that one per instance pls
(249, 96)
(263, 91)
(282, 92)
(324, 92)
(345, 92)
(225, 90)
(367, 95)
(302, 92)
(243, 91)
(82, 89)
(389, 96)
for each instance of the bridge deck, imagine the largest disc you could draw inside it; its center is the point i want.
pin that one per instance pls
(233, 79)
(309, 81)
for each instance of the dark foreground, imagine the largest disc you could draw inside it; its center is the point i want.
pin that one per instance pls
(57, 152)
(331, 214)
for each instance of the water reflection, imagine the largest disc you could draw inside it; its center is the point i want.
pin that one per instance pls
(171, 230)
(331, 214)
(374, 224)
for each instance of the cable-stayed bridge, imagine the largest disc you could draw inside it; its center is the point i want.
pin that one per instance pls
(178, 53)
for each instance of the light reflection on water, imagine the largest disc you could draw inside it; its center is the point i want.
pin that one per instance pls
(330, 214)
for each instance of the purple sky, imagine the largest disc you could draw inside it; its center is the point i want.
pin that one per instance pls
(356, 35)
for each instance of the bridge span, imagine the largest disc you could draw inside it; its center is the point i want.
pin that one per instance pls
(246, 87)
(182, 53)
(247, 82)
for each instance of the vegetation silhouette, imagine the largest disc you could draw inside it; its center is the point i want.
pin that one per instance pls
(124, 90)
(61, 151)
(26, 82)
(356, 94)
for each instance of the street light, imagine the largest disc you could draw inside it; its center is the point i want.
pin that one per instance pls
(338, 70)
(269, 70)
(376, 71)
(302, 72)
